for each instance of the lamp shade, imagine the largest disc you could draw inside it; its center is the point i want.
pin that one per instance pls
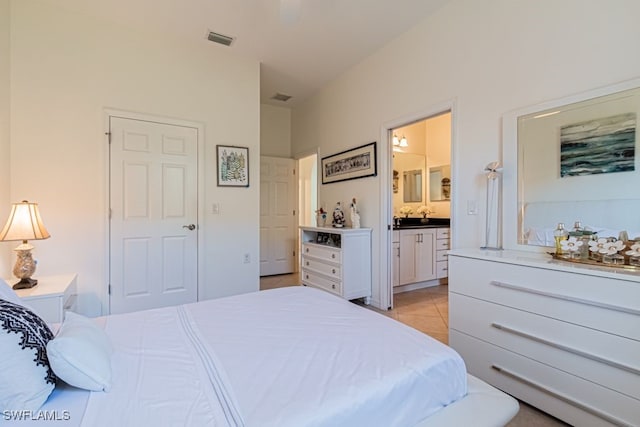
(24, 223)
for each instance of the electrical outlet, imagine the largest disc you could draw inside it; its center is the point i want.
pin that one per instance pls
(247, 259)
(215, 209)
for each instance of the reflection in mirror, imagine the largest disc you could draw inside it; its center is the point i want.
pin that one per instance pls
(576, 161)
(439, 183)
(412, 183)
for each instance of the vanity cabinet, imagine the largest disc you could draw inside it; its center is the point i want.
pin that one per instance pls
(420, 255)
(417, 255)
(562, 338)
(337, 260)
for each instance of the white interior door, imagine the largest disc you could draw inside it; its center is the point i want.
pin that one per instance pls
(153, 227)
(278, 230)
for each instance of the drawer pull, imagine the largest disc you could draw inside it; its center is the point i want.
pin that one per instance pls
(333, 256)
(333, 270)
(307, 262)
(561, 396)
(333, 286)
(306, 249)
(566, 297)
(563, 347)
(306, 276)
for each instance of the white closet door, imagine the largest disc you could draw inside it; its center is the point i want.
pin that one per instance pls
(153, 228)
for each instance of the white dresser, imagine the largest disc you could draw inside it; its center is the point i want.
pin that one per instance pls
(564, 338)
(337, 260)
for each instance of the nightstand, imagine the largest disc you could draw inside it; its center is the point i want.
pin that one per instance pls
(52, 296)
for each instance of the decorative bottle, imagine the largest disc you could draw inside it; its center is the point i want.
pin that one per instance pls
(577, 232)
(559, 235)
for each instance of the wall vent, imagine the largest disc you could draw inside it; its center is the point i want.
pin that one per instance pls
(281, 97)
(220, 38)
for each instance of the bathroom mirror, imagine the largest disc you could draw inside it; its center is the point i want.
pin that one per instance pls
(573, 159)
(412, 184)
(439, 183)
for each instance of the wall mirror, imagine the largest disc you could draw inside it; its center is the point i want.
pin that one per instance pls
(410, 169)
(412, 184)
(439, 183)
(573, 159)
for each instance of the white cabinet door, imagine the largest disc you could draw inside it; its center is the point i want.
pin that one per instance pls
(417, 255)
(395, 271)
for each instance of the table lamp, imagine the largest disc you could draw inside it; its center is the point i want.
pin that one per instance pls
(24, 224)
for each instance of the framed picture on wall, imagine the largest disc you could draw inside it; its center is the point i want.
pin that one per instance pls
(354, 163)
(233, 166)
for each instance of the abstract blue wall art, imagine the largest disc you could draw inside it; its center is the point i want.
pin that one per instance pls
(602, 145)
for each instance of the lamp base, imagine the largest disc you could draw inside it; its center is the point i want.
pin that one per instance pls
(25, 283)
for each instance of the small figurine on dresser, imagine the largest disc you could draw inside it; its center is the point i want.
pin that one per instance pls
(338, 216)
(355, 215)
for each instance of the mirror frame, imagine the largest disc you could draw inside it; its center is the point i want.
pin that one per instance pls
(511, 208)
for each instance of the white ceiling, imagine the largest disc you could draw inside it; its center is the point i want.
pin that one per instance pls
(301, 44)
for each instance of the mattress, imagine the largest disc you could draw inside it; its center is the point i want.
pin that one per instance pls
(286, 357)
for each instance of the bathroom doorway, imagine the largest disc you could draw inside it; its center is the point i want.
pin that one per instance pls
(420, 180)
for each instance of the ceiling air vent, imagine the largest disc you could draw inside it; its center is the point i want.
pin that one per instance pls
(220, 38)
(281, 97)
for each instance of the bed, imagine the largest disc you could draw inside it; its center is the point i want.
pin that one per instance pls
(293, 356)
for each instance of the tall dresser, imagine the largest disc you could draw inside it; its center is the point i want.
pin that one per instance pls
(562, 337)
(337, 260)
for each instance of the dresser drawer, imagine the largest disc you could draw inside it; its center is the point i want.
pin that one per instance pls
(442, 244)
(600, 303)
(561, 394)
(442, 269)
(442, 255)
(442, 233)
(311, 279)
(323, 267)
(322, 252)
(605, 359)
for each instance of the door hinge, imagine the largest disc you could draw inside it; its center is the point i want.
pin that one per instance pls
(110, 213)
(294, 171)
(294, 253)
(109, 289)
(294, 212)
(108, 137)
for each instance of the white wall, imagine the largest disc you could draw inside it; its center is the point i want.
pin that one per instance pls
(66, 69)
(275, 131)
(5, 116)
(490, 57)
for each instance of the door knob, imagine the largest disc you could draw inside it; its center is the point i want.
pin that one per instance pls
(190, 227)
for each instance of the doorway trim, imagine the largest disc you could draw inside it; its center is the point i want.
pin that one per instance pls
(113, 112)
(386, 167)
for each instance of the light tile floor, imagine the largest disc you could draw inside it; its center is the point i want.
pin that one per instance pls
(428, 311)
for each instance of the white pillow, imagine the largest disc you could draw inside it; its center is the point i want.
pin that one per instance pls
(80, 354)
(8, 294)
(26, 379)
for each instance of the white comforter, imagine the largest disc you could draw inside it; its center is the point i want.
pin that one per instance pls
(287, 357)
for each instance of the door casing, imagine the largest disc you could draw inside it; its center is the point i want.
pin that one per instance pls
(112, 112)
